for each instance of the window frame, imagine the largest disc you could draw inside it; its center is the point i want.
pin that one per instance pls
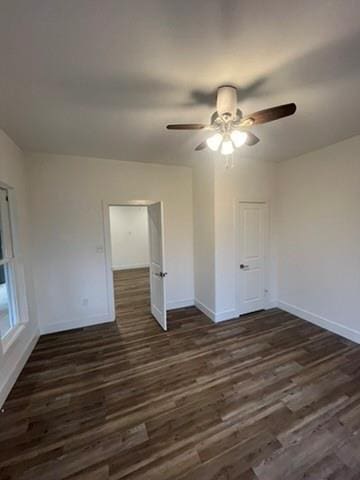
(9, 261)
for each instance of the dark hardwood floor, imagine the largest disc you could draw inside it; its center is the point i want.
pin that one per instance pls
(265, 397)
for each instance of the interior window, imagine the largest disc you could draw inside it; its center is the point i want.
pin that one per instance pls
(8, 315)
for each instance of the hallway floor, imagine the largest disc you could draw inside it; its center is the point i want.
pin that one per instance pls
(266, 397)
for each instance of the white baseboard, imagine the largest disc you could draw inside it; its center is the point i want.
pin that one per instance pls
(129, 267)
(77, 323)
(10, 381)
(187, 302)
(334, 327)
(225, 315)
(216, 316)
(205, 310)
(271, 304)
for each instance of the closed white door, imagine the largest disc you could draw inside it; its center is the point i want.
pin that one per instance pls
(251, 267)
(157, 263)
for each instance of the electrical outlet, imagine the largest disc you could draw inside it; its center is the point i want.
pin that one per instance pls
(85, 302)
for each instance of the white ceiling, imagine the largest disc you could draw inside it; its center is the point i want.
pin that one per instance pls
(103, 77)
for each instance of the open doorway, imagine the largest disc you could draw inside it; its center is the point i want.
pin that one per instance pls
(136, 234)
(129, 236)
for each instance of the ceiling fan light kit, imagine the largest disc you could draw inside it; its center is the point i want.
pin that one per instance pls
(227, 147)
(214, 142)
(230, 126)
(238, 138)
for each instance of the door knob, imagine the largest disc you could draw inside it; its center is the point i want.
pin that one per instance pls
(242, 266)
(161, 274)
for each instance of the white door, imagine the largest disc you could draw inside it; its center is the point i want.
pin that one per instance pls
(251, 267)
(157, 263)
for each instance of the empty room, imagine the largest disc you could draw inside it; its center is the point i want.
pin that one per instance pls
(179, 240)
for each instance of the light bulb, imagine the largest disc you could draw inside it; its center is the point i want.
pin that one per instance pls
(227, 147)
(214, 141)
(239, 138)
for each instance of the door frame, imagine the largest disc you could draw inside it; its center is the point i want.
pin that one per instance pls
(267, 250)
(106, 204)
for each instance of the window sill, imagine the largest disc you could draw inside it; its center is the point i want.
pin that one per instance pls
(9, 340)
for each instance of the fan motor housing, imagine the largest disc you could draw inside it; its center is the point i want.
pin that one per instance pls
(226, 101)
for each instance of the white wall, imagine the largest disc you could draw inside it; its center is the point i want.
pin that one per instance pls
(249, 180)
(319, 236)
(67, 215)
(216, 193)
(129, 237)
(12, 173)
(204, 235)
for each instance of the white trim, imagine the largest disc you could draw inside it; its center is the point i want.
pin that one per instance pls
(216, 317)
(11, 379)
(205, 310)
(77, 323)
(108, 261)
(107, 247)
(20, 292)
(334, 327)
(129, 267)
(271, 304)
(226, 315)
(11, 337)
(174, 304)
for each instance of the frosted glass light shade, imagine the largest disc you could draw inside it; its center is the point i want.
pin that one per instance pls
(214, 141)
(239, 138)
(227, 147)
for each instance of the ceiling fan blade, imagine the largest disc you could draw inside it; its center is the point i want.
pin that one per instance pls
(269, 114)
(201, 146)
(251, 139)
(186, 126)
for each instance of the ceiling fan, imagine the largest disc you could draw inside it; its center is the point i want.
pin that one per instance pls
(230, 126)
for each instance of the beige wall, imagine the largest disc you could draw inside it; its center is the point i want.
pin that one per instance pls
(249, 181)
(319, 236)
(67, 216)
(216, 193)
(204, 234)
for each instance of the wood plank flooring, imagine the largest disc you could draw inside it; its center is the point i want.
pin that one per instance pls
(264, 397)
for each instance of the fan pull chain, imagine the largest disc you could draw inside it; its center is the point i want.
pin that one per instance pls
(229, 161)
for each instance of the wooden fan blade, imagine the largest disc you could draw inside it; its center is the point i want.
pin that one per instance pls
(269, 114)
(201, 146)
(186, 126)
(251, 139)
